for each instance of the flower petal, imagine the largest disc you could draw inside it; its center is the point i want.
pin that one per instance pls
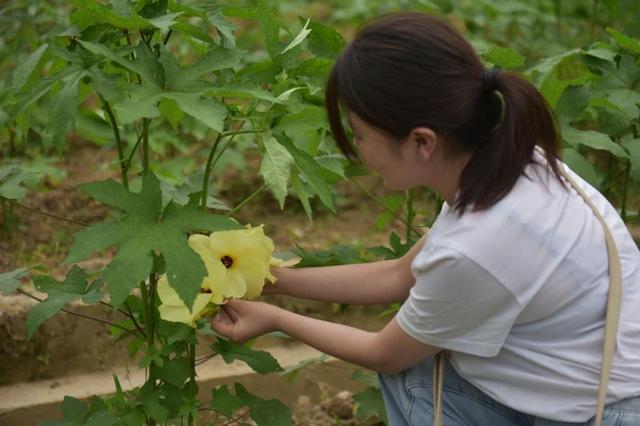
(201, 244)
(235, 285)
(167, 294)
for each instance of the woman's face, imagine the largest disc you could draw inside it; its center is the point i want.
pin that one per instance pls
(384, 155)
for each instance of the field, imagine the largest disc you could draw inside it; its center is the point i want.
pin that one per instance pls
(128, 125)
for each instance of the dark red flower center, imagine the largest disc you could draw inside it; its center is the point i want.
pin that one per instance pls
(227, 261)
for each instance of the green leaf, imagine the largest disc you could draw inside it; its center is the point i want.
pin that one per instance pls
(592, 139)
(31, 95)
(74, 410)
(264, 14)
(292, 372)
(119, 59)
(238, 91)
(572, 102)
(304, 32)
(216, 60)
(313, 173)
(10, 281)
(225, 402)
(626, 100)
(265, 412)
(152, 405)
(368, 378)
(176, 371)
(11, 178)
(583, 167)
(275, 168)
(260, 361)
(208, 111)
(335, 255)
(171, 111)
(324, 41)
(165, 22)
(317, 68)
(303, 194)
(90, 12)
(62, 112)
(602, 52)
(225, 27)
(503, 57)
(74, 287)
(633, 146)
(310, 118)
(25, 69)
(543, 69)
(393, 203)
(142, 231)
(626, 42)
(370, 404)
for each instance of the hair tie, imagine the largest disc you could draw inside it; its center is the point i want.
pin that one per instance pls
(489, 79)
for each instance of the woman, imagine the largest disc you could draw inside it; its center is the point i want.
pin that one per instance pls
(513, 278)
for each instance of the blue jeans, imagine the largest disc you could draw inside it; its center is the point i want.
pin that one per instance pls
(408, 398)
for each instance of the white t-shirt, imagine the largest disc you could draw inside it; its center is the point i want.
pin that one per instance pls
(518, 293)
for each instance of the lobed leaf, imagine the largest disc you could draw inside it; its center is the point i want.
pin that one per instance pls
(260, 361)
(270, 412)
(225, 402)
(144, 229)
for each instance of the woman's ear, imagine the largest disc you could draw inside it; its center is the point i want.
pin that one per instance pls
(422, 141)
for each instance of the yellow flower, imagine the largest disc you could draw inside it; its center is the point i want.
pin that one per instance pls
(237, 265)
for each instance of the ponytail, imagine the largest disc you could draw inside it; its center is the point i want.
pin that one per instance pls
(525, 120)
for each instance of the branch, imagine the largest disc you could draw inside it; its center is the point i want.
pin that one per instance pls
(205, 358)
(134, 321)
(394, 214)
(54, 216)
(246, 200)
(119, 144)
(77, 314)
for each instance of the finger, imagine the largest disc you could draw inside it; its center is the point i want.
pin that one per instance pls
(230, 313)
(221, 324)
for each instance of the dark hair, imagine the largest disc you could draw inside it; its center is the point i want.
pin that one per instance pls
(409, 70)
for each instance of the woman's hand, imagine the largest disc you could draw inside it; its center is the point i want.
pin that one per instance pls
(240, 320)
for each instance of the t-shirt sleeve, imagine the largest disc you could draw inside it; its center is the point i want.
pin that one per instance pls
(456, 304)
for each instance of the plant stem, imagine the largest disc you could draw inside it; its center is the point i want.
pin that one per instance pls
(51, 215)
(77, 314)
(207, 172)
(119, 142)
(625, 192)
(211, 160)
(145, 145)
(12, 147)
(192, 364)
(133, 151)
(133, 319)
(381, 204)
(206, 358)
(5, 213)
(166, 39)
(246, 200)
(410, 214)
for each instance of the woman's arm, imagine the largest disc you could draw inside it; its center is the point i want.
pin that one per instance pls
(387, 351)
(386, 281)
